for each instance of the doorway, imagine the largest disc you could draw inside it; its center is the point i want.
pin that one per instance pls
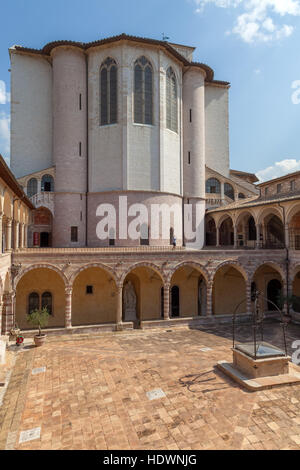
(175, 301)
(273, 294)
(44, 239)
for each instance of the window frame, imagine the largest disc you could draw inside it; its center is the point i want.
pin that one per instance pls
(107, 65)
(171, 101)
(148, 63)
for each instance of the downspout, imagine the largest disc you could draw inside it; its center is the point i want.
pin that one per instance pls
(287, 261)
(87, 154)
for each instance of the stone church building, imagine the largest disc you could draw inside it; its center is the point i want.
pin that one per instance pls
(136, 120)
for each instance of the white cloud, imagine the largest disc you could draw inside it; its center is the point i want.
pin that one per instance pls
(4, 134)
(2, 92)
(256, 21)
(279, 169)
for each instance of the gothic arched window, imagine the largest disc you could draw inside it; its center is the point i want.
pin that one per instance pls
(32, 187)
(171, 101)
(213, 186)
(47, 183)
(108, 92)
(143, 91)
(47, 301)
(33, 302)
(228, 191)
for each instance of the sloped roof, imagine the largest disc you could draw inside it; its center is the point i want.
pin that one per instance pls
(46, 50)
(12, 183)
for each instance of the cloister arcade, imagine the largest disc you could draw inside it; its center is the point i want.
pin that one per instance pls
(93, 295)
(272, 227)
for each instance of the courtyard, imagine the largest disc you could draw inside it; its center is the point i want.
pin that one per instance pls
(92, 392)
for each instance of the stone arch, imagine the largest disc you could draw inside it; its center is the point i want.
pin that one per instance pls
(142, 264)
(275, 266)
(241, 215)
(269, 211)
(7, 204)
(191, 280)
(234, 279)
(147, 289)
(94, 295)
(40, 279)
(93, 265)
(236, 265)
(41, 266)
(291, 212)
(219, 220)
(192, 264)
(264, 274)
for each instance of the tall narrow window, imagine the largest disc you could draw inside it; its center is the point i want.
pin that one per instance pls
(108, 92)
(143, 91)
(47, 183)
(31, 187)
(47, 301)
(33, 302)
(171, 98)
(74, 234)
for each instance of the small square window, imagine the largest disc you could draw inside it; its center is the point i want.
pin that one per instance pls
(89, 289)
(74, 234)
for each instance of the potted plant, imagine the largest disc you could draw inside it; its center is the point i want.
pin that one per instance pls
(39, 318)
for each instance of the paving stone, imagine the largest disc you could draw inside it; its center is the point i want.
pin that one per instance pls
(30, 435)
(95, 396)
(38, 370)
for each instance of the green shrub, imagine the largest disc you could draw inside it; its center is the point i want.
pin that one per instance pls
(39, 318)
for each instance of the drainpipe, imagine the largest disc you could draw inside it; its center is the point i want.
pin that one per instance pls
(287, 261)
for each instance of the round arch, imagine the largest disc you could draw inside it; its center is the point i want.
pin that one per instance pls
(94, 265)
(142, 264)
(229, 277)
(201, 269)
(41, 266)
(189, 282)
(268, 211)
(143, 285)
(41, 279)
(94, 295)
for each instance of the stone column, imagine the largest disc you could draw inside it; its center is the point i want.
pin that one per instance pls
(16, 235)
(287, 236)
(1, 314)
(235, 240)
(68, 311)
(248, 297)
(264, 234)
(167, 288)
(209, 303)
(218, 236)
(8, 320)
(119, 317)
(21, 240)
(258, 232)
(25, 235)
(8, 235)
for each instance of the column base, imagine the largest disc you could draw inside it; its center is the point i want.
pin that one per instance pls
(119, 327)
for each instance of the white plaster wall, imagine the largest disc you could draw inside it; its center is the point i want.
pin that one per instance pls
(31, 113)
(128, 155)
(217, 129)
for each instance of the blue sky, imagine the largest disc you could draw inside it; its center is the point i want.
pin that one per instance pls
(254, 44)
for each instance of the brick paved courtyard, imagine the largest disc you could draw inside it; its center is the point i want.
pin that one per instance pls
(93, 395)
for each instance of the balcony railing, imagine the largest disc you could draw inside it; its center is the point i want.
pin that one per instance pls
(44, 199)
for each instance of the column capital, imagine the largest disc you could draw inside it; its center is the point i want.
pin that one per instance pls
(68, 290)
